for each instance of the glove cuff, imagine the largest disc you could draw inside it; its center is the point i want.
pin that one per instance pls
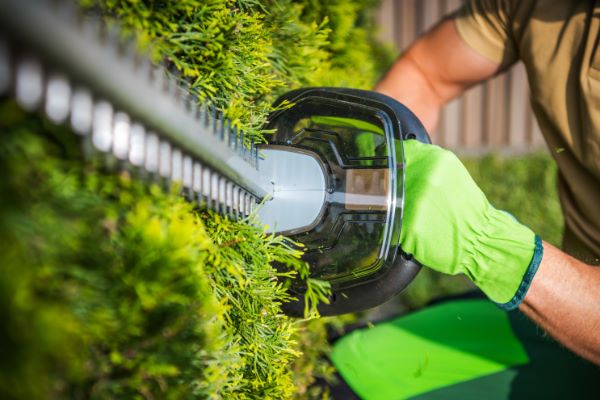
(504, 257)
(517, 299)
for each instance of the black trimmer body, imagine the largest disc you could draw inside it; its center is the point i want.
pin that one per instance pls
(337, 158)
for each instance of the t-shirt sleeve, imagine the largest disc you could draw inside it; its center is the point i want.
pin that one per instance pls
(485, 25)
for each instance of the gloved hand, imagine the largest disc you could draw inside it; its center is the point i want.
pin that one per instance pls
(450, 226)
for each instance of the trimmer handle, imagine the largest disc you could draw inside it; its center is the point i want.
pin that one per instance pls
(411, 126)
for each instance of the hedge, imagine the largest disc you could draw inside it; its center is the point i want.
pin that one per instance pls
(110, 287)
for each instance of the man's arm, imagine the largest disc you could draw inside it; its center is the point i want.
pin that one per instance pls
(564, 299)
(505, 259)
(436, 68)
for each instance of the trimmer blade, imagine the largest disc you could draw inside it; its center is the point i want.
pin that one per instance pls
(77, 72)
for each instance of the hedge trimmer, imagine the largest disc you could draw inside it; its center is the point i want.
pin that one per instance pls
(329, 177)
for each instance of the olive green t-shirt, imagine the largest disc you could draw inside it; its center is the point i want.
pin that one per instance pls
(557, 40)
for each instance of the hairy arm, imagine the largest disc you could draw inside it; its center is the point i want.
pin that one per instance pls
(436, 68)
(564, 299)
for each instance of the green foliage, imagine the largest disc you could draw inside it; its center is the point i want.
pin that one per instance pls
(357, 58)
(241, 54)
(110, 288)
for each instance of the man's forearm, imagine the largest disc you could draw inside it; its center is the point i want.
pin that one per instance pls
(435, 69)
(406, 82)
(565, 301)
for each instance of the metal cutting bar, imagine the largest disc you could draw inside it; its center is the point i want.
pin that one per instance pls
(65, 65)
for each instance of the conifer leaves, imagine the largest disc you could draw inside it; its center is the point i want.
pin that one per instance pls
(140, 294)
(241, 54)
(111, 289)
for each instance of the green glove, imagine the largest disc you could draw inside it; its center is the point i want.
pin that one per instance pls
(450, 226)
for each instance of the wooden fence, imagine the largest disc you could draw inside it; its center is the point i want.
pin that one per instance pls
(495, 115)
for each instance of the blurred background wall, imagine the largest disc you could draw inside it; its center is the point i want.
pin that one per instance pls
(493, 116)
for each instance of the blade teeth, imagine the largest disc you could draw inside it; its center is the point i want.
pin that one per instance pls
(218, 125)
(243, 197)
(176, 83)
(212, 112)
(187, 174)
(151, 153)
(121, 135)
(197, 181)
(226, 199)
(227, 132)
(81, 111)
(137, 147)
(102, 126)
(236, 140)
(176, 165)
(58, 98)
(229, 198)
(168, 84)
(247, 206)
(206, 187)
(176, 90)
(29, 83)
(235, 198)
(203, 115)
(5, 67)
(179, 95)
(222, 199)
(189, 102)
(243, 201)
(112, 131)
(222, 129)
(194, 104)
(253, 154)
(206, 108)
(238, 203)
(214, 191)
(164, 160)
(192, 107)
(242, 150)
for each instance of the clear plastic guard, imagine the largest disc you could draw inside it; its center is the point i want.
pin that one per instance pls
(358, 233)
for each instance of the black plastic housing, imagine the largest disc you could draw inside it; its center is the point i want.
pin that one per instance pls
(367, 287)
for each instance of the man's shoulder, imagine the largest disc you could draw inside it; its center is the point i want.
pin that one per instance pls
(506, 30)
